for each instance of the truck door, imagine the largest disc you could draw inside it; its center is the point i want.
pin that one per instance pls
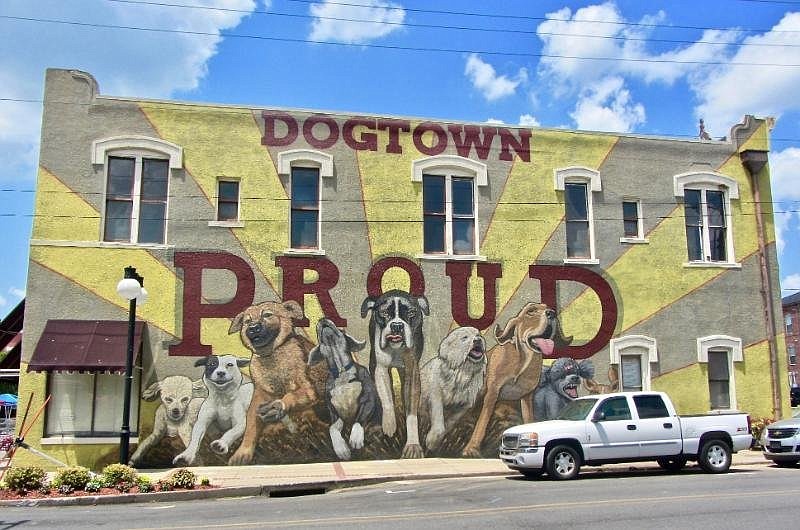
(659, 433)
(612, 432)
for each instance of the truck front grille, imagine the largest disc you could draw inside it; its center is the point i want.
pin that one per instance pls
(781, 433)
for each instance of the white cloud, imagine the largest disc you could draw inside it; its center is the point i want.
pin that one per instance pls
(495, 121)
(19, 293)
(3, 301)
(528, 120)
(728, 92)
(125, 62)
(607, 106)
(342, 23)
(785, 177)
(493, 87)
(594, 42)
(791, 282)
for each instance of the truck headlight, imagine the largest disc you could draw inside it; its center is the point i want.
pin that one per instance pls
(528, 439)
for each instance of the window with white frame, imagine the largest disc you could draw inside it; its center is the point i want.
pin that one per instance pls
(227, 200)
(449, 204)
(789, 324)
(707, 214)
(632, 222)
(89, 405)
(633, 355)
(137, 171)
(305, 168)
(578, 184)
(790, 349)
(719, 352)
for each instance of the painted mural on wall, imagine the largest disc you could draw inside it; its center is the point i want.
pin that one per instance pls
(328, 395)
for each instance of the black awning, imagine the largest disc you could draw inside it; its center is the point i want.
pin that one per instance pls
(84, 346)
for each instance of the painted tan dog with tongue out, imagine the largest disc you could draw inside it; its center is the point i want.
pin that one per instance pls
(515, 365)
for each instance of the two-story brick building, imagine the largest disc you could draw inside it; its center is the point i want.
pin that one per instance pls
(388, 286)
(791, 316)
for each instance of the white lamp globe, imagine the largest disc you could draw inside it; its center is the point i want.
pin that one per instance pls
(142, 297)
(129, 288)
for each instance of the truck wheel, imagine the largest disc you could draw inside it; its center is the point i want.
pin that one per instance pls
(563, 463)
(675, 463)
(715, 456)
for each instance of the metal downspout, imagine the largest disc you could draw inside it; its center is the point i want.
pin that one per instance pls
(754, 162)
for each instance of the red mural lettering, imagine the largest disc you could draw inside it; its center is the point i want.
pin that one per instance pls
(549, 275)
(472, 138)
(522, 146)
(295, 287)
(379, 268)
(459, 273)
(441, 139)
(368, 141)
(394, 127)
(270, 138)
(320, 143)
(194, 309)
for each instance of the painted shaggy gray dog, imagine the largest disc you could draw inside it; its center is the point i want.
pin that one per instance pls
(350, 393)
(452, 380)
(559, 385)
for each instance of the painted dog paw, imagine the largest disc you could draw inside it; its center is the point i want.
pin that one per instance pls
(389, 425)
(219, 447)
(413, 451)
(471, 452)
(241, 457)
(357, 436)
(273, 411)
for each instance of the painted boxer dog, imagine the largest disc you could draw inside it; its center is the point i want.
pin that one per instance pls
(396, 341)
(515, 364)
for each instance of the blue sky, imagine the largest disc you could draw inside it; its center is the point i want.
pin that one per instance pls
(622, 66)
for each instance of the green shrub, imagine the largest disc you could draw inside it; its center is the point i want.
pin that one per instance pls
(145, 484)
(205, 481)
(757, 426)
(124, 486)
(95, 484)
(115, 474)
(66, 489)
(24, 479)
(75, 477)
(183, 478)
(164, 485)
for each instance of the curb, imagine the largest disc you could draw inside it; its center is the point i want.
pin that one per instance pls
(298, 488)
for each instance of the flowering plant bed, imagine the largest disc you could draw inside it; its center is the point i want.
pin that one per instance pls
(116, 479)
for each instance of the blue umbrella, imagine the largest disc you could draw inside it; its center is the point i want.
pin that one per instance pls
(8, 399)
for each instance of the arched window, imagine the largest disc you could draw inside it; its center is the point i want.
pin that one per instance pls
(633, 355)
(578, 183)
(707, 209)
(719, 352)
(449, 197)
(137, 170)
(305, 168)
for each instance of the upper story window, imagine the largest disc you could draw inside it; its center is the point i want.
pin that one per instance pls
(632, 222)
(305, 168)
(792, 352)
(449, 204)
(227, 200)
(137, 173)
(707, 210)
(578, 183)
(789, 324)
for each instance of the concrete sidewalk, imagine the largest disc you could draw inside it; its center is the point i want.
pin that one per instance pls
(299, 479)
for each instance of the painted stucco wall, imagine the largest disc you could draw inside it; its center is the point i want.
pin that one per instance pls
(372, 210)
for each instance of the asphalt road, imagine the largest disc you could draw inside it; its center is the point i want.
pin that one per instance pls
(760, 496)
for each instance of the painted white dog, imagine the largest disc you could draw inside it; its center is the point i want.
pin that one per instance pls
(452, 381)
(181, 399)
(228, 398)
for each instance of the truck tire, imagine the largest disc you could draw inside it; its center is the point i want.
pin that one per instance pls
(673, 463)
(563, 463)
(715, 456)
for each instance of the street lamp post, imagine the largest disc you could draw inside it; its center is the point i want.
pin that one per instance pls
(131, 287)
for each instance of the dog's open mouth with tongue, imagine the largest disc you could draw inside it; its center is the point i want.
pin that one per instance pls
(543, 342)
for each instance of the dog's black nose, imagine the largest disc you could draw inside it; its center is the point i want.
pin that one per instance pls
(255, 327)
(396, 327)
(550, 313)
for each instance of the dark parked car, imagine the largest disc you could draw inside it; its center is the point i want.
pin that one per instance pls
(794, 395)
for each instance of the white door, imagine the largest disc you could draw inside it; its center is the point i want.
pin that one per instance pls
(613, 433)
(659, 433)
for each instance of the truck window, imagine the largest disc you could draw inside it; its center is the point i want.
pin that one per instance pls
(576, 410)
(615, 408)
(650, 406)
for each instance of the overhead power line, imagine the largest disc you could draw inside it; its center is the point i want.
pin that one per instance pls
(388, 46)
(461, 28)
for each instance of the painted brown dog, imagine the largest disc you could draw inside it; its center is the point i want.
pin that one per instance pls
(515, 365)
(278, 367)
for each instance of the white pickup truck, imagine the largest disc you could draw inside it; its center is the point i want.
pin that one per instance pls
(624, 427)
